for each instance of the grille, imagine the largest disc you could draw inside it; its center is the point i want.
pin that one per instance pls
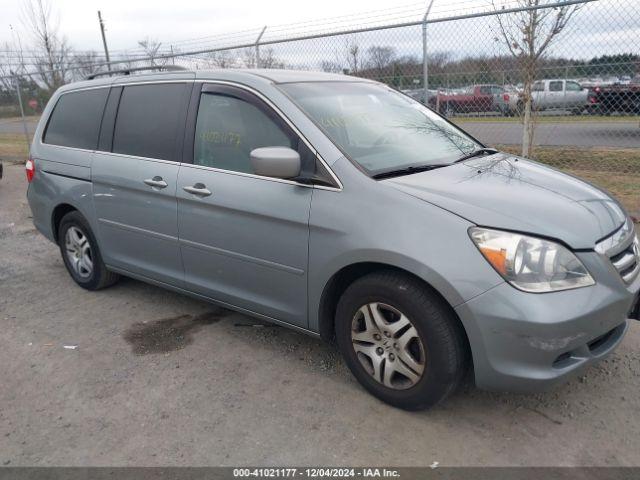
(627, 262)
(623, 249)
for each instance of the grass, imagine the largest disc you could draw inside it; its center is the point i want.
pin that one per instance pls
(13, 148)
(550, 119)
(614, 169)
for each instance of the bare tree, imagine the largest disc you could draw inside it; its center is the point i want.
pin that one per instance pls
(151, 49)
(268, 59)
(84, 64)
(53, 52)
(222, 59)
(353, 55)
(11, 62)
(249, 57)
(330, 66)
(380, 57)
(528, 34)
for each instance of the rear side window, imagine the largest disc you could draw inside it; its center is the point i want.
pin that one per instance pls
(75, 121)
(228, 128)
(555, 86)
(148, 120)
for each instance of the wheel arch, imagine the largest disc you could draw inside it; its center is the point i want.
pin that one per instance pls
(57, 215)
(348, 274)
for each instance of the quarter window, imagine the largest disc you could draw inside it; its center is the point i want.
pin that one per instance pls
(229, 128)
(75, 121)
(148, 120)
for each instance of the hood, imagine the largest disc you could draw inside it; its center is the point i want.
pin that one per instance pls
(510, 193)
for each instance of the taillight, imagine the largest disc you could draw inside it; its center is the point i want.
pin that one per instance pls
(505, 97)
(30, 167)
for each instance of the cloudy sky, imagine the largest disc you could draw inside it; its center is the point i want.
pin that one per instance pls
(128, 21)
(607, 26)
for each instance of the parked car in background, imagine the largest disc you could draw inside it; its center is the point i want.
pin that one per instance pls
(343, 209)
(476, 98)
(418, 94)
(619, 98)
(557, 94)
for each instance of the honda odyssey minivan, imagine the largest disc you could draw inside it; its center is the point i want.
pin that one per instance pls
(343, 209)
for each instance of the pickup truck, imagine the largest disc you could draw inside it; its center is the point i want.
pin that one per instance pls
(604, 100)
(476, 98)
(557, 94)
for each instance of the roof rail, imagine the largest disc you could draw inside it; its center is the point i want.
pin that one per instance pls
(127, 71)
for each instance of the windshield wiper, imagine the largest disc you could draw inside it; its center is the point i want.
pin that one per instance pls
(408, 170)
(477, 153)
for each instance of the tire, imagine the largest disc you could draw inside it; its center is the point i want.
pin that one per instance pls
(438, 349)
(79, 250)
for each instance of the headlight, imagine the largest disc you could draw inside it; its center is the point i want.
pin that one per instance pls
(531, 264)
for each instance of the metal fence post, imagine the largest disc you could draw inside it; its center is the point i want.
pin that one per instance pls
(425, 68)
(258, 47)
(24, 121)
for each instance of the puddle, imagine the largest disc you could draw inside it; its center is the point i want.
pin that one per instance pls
(169, 334)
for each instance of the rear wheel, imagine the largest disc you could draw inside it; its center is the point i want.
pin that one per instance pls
(81, 254)
(399, 340)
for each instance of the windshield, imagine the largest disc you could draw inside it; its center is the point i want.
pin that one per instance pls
(379, 128)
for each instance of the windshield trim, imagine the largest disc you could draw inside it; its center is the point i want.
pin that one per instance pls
(354, 162)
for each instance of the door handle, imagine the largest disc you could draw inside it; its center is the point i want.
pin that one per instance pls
(156, 182)
(198, 189)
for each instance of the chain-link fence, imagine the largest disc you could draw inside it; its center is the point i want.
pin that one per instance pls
(560, 83)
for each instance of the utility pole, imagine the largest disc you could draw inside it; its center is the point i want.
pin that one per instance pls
(258, 46)
(104, 40)
(425, 68)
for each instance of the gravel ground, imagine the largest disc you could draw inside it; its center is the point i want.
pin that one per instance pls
(161, 379)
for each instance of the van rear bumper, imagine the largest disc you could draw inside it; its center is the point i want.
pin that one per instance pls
(524, 342)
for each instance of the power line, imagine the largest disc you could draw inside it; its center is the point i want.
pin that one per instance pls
(311, 36)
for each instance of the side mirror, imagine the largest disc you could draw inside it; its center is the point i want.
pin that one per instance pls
(275, 162)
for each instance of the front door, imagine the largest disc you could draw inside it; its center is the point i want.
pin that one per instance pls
(244, 238)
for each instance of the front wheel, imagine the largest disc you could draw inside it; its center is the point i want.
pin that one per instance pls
(400, 341)
(81, 255)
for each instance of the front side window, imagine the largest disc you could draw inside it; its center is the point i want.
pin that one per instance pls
(538, 87)
(379, 128)
(229, 128)
(75, 121)
(573, 87)
(148, 120)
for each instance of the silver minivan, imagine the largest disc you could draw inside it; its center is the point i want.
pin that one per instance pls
(346, 210)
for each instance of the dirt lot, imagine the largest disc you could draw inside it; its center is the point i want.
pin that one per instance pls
(161, 379)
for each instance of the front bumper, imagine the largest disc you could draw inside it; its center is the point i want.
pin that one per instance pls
(526, 342)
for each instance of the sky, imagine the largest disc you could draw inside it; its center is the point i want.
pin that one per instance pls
(128, 21)
(608, 26)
